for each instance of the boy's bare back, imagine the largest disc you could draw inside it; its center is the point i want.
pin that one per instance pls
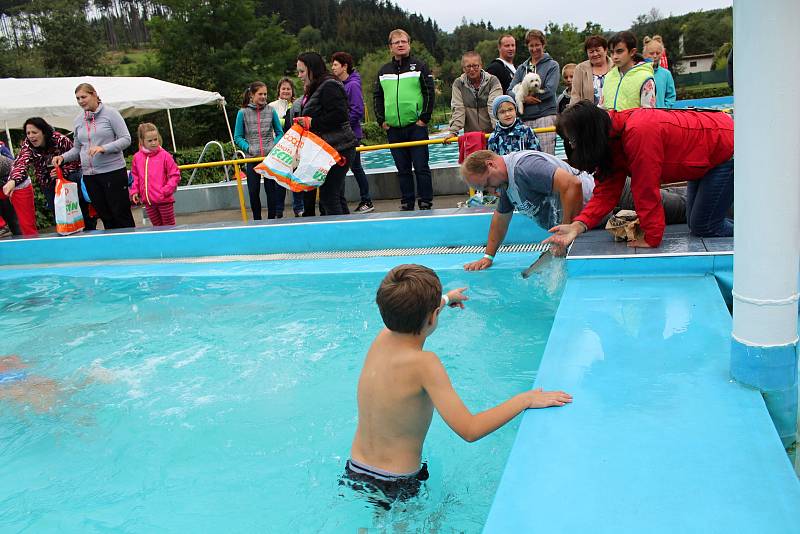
(394, 411)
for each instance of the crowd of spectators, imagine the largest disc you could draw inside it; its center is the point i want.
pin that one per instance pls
(614, 78)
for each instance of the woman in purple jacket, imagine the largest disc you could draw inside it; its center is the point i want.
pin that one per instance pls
(342, 67)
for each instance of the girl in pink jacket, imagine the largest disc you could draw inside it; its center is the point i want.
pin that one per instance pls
(155, 177)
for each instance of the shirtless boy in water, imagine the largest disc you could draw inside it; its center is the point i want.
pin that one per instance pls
(401, 384)
(18, 385)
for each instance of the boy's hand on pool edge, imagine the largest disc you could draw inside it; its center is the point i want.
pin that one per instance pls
(538, 398)
(457, 297)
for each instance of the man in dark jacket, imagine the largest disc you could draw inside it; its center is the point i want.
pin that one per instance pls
(503, 66)
(403, 103)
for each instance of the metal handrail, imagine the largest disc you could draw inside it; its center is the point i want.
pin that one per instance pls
(203, 153)
(238, 161)
(363, 148)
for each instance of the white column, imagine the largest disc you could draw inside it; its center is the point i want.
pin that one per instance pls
(767, 207)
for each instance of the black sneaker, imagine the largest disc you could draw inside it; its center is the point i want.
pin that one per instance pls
(426, 205)
(365, 207)
(407, 207)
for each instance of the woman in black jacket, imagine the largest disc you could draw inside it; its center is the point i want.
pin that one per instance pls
(326, 104)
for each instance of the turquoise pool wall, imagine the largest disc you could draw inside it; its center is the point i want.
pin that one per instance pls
(454, 227)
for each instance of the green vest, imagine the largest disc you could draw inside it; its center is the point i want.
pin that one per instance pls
(624, 91)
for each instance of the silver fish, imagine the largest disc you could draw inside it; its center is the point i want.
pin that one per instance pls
(540, 264)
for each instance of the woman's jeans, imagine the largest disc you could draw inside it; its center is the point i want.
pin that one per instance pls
(708, 201)
(276, 195)
(331, 192)
(361, 177)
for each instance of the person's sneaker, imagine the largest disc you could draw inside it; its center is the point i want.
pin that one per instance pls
(298, 213)
(406, 207)
(426, 205)
(365, 207)
(5, 232)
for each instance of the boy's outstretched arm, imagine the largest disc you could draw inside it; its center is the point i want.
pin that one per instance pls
(473, 427)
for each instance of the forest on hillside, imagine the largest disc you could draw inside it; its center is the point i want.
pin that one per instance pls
(222, 45)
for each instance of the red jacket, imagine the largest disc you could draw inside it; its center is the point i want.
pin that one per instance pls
(654, 147)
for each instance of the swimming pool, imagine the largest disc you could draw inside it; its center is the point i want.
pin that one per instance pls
(439, 155)
(227, 403)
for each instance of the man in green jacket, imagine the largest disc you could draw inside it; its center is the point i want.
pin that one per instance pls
(403, 103)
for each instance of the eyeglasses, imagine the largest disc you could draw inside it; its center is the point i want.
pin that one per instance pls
(399, 42)
(473, 67)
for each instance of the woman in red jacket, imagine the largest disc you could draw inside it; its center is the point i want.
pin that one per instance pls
(653, 147)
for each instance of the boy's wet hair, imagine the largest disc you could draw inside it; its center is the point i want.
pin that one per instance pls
(407, 296)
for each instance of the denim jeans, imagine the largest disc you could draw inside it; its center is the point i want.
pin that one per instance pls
(708, 201)
(276, 194)
(361, 177)
(405, 158)
(297, 202)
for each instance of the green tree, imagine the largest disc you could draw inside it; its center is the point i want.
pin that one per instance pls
(69, 45)
(219, 46)
(309, 38)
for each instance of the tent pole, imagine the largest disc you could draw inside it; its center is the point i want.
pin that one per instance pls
(8, 135)
(236, 171)
(171, 132)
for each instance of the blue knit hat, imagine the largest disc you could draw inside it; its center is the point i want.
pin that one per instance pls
(499, 100)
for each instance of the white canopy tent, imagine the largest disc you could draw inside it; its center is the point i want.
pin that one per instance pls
(53, 99)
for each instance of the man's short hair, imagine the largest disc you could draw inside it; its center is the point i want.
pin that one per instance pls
(505, 35)
(471, 53)
(535, 34)
(407, 296)
(476, 162)
(595, 41)
(398, 31)
(563, 69)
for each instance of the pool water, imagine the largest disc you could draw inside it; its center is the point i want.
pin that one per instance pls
(439, 155)
(199, 403)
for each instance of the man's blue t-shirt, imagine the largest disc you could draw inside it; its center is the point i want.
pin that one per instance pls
(530, 176)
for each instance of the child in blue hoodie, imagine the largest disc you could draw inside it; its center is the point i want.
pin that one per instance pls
(510, 134)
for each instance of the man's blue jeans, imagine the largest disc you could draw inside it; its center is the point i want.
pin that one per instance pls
(708, 201)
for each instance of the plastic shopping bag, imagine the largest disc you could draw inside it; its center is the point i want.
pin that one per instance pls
(299, 161)
(68, 211)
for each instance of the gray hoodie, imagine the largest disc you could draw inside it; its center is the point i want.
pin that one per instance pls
(104, 127)
(547, 68)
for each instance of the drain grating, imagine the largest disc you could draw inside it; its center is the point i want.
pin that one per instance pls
(352, 254)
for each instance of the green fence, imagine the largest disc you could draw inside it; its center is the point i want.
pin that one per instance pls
(697, 78)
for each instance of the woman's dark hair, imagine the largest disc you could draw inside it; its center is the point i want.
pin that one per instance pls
(623, 37)
(594, 41)
(584, 127)
(41, 125)
(345, 59)
(317, 71)
(251, 89)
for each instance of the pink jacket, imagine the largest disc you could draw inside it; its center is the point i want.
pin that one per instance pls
(155, 176)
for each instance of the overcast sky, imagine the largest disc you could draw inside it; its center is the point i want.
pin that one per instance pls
(616, 15)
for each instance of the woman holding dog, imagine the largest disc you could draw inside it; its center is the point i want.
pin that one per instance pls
(653, 147)
(540, 109)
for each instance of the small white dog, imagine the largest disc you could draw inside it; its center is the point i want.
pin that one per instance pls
(531, 85)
